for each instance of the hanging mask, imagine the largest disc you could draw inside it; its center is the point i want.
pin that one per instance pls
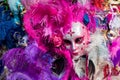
(23, 41)
(111, 35)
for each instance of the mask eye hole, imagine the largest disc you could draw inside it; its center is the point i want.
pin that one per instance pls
(67, 42)
(79, 40)
(111, 35)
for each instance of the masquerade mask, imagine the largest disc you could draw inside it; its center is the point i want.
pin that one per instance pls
(76, 39)
(23, 41)
(111, 35)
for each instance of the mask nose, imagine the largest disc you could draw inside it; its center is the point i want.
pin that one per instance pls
(73, 47)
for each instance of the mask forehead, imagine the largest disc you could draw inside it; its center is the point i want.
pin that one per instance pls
(75, 31)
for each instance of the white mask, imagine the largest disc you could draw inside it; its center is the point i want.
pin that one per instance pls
(76, 39)
(23, 41)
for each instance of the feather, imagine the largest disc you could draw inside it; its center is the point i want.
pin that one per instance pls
(16, 7)
(114, 49)
(29, 63)
(115, 22)
(79, 66)
(97, 46)
(98, 53)
(28, 3)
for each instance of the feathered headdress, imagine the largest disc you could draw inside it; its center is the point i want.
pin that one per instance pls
(47, 23)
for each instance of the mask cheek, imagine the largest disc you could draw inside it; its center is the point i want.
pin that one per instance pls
(81, 48)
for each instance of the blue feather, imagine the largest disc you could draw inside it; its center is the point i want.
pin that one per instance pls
(7, 29)
(86, 19)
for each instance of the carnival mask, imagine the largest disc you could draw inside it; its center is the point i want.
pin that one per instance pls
(111, 35)
(76, 39)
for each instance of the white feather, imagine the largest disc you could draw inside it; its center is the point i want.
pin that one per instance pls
(98, 53)
(97, 48)
(115, 23)
(79, 66)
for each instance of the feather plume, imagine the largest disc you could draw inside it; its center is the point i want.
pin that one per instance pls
(98, 53)
(97, 47)
(114, 49)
